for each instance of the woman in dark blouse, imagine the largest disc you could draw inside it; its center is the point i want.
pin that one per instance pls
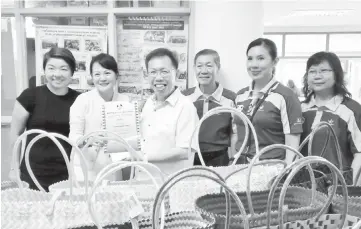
(47, 108)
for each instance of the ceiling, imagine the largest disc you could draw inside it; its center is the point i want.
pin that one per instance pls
(306, 13)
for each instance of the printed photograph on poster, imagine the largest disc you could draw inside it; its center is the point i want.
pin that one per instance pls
(82, 70)
(176, 38)
(72, 44)
(133, 91)
(93, 45)
(181, 75)
(74, 83)
(49, 43)
(80, 66)
(154, 36)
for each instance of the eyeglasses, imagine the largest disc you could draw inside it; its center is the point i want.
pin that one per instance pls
(163, 73)
(323, 72)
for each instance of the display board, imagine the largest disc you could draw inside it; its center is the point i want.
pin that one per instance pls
(83, 41)
(137, 36)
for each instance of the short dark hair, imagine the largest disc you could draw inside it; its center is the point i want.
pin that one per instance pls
(60, 53)
(267, 43)
(211, 52)
(160, 52)
(106, 61)
(335, 63)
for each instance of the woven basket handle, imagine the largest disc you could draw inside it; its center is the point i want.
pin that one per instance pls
(53, 137)
(104, 135)
(358, 176)
(110, 169)
(16, 158)
(297, 166)
(219, 110)
(264, 151)
(310, 137)
(175, 178)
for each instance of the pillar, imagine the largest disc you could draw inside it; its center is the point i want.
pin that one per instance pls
(227, 27)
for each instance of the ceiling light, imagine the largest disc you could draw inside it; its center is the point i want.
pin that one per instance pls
(320, 13)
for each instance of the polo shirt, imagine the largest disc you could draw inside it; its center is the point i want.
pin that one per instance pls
(278, 115)
(215, 132)
(344, 115)
(166, 126)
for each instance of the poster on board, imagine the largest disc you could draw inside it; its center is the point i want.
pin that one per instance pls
(137, 36)
(83, 41)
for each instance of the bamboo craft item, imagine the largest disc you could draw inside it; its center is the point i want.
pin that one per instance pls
(298, 200)
(26, 208)
(185, 192)
(347, 174)
(354, 199)
(144, 190)
(321, 221)
(175, 220)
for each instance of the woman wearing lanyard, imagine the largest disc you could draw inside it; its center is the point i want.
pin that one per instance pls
(328, 100)
(274, 109)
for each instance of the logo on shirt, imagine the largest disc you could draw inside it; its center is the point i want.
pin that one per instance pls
(331, 122)
(299, 121)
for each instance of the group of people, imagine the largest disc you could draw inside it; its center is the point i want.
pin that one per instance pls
(170, 116)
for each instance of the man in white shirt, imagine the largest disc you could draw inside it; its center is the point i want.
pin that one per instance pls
(168, 118)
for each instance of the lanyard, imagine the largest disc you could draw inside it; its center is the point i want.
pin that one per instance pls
(259, 102)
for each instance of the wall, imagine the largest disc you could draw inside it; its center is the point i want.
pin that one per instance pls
(228, 28)
(5, 152)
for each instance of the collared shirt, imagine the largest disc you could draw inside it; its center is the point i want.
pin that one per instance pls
(86, 117)
(215, 132)
(166, 126)
(278, 115)
(344, 115)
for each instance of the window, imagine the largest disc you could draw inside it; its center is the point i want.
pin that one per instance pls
(291, 69)
(346, 44)
(298, 47)
(304, 44)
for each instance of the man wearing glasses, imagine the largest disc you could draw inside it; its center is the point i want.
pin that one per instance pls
(216, 133)
(168, 118)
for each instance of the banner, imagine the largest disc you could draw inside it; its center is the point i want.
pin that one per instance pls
(83, 41)
(137, 36)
